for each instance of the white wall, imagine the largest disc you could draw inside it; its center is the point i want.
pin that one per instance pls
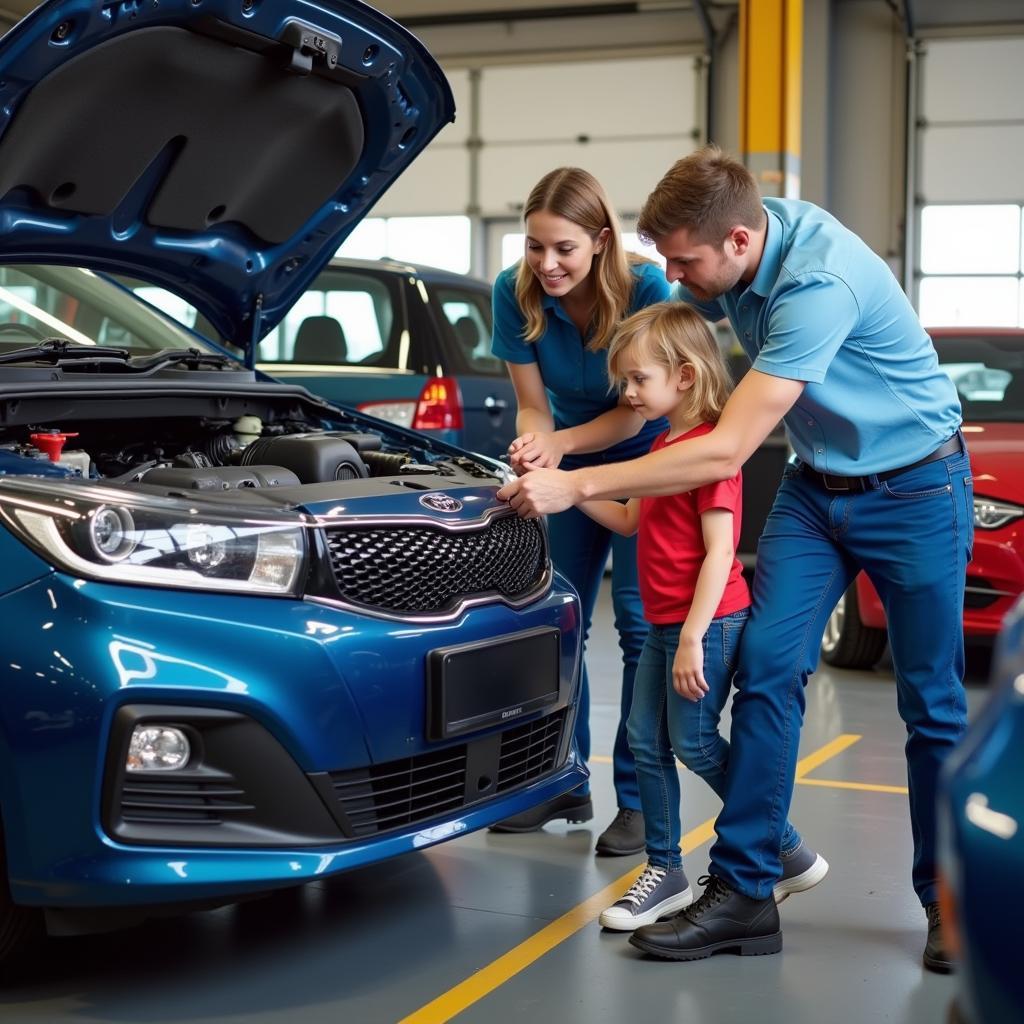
(609, 74)
(624, 120)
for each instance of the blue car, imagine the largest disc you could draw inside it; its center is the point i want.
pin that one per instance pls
(982, 845)
(251, 638)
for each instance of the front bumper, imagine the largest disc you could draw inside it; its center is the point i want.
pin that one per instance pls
(995, 579)
(338, 699)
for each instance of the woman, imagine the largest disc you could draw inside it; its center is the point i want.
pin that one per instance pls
(555, 312)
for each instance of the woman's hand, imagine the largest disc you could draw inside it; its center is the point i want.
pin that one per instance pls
(536, 450)
(688, 667)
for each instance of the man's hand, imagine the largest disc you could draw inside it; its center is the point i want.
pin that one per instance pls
(535, 450)
(541, 492)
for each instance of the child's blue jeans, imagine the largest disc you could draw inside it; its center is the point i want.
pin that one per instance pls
(663, 726)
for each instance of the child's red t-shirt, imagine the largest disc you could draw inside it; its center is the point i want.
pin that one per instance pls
(671, 548)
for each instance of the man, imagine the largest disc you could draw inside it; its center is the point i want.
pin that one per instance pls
(881, 483)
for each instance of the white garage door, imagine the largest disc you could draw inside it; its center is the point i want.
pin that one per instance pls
(971, 182)
(625, 121)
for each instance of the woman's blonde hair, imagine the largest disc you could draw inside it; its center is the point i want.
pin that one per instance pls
(577, 195)
(674, 335)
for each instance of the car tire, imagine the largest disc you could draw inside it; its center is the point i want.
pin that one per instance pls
(847, 642)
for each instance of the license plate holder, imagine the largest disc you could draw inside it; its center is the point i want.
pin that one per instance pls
(491, 682)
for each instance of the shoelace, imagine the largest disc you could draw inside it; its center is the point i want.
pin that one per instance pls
(715, 891)
(625, 816)
(643, 887)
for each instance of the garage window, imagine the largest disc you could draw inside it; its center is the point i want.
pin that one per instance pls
(972, 265)
(435, 241)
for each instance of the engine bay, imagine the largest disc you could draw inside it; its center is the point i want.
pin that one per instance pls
(263, 455)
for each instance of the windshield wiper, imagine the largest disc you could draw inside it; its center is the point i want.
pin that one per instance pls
(192, 357)
(56, 349)
(59, 350)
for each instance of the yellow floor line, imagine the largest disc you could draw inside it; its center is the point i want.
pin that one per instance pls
(804, 767)
(825, 753)
(868, 787)
(496, 973)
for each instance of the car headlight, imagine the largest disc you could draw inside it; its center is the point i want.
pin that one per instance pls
(104, 534)
(990, 514)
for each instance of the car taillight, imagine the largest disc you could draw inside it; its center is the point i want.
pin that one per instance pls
(439, 406)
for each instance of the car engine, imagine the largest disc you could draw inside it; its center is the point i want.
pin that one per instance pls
(290, 455)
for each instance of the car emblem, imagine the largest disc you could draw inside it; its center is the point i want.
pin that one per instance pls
(440, 502)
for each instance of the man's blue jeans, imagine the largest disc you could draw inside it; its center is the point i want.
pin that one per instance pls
(913, 535)
(579, 550)
(663, 726)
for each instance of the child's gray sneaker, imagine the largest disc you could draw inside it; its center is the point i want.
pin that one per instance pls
(802, 869)
(657, 893)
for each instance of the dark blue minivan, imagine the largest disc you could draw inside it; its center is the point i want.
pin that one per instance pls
(405, 342)
(408, 343)
(252, 636)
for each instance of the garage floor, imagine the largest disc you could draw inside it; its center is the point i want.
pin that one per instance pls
(491, 928)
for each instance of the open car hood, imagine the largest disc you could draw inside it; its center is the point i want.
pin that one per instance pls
(220, 148)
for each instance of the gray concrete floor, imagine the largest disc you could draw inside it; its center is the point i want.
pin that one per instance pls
(490, 928)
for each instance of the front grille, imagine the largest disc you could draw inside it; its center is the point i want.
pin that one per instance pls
(403, 792)
(529, 751)
(178, 801)
(416, 789)
(979, 593)
(423, 569)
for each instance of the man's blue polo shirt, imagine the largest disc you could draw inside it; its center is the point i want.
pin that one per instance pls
(575, 378)
(824, 309)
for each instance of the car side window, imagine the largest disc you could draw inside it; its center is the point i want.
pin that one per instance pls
(345, 318)
(467, 317)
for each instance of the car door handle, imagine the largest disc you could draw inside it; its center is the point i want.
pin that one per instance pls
(495, 404)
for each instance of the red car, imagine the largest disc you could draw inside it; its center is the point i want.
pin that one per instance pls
(987, 366)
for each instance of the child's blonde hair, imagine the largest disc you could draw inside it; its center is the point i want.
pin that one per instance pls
(673, 335)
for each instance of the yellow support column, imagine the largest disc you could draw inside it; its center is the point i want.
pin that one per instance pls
(771, 55)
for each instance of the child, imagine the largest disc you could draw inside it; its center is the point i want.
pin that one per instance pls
(694, 597)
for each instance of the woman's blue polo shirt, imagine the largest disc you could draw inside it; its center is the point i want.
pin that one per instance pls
(575, 378)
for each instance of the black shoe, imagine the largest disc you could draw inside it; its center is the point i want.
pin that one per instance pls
(625, 835)
(571, 806)
(936, 955)
(721, 921)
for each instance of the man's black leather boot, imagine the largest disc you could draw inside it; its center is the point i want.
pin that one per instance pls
(936, 955)
(721, 921)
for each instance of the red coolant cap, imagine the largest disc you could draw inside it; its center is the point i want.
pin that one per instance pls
(50, 443)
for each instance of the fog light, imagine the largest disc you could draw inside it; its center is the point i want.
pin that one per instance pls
(157, 748)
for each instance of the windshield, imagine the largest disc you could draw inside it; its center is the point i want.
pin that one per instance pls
(38, 302)
(988, 371)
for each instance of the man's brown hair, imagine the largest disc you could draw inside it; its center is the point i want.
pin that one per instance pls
(708, 194)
